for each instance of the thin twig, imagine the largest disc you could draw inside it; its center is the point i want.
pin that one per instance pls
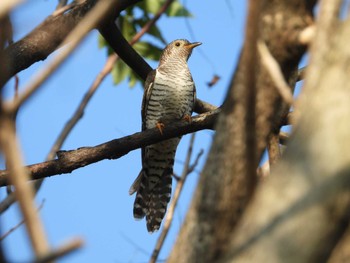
(23, 192)
(12, 229)
(275, 72)
(74, 38)
(64, 250)
(169, 217)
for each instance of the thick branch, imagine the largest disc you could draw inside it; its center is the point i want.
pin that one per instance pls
(48, 36)
(70, 160)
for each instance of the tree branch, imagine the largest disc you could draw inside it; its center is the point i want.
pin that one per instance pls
(49, 35)
(70, 160)
(61, 251)
(90, 21)
(12, 229)
(23, 192)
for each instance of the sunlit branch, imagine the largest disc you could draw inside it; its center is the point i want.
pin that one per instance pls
(74, 38)
(70, 160)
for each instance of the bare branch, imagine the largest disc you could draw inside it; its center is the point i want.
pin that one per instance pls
(48, 36)
(62, 251)
(100, 77)
(12, 229)
(275, 73)
(42, 41)
(74, 38)
(70, 160)
(23, 192)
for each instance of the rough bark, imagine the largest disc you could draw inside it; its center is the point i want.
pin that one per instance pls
(68, 161)
(303, 209)
(49, 36)
(228, 179)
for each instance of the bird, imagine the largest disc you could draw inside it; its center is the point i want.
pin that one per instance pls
(169, 95)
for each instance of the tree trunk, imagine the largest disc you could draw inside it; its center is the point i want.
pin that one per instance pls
(252, 108)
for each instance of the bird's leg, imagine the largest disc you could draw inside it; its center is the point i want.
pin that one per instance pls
(160, 127)
(187, 118)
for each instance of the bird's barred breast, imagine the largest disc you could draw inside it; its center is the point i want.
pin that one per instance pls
(169, 101)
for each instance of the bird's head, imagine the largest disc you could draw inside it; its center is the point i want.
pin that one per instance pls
(179, 49)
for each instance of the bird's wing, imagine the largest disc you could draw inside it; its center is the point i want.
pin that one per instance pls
(146, 96)
(194, 95)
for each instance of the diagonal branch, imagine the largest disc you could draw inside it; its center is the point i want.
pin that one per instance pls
(91, 20)
(49, 36)
(12, 229)
(61, 251)
(23, 192)
(70, 160)
(100, 77)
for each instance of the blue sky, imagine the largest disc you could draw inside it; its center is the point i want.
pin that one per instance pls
(93, 202)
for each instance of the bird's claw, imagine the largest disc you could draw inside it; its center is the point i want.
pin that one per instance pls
(187, 118)
(160, 127)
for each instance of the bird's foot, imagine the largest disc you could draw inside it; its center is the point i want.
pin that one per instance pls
(160, 127)
(187, 118)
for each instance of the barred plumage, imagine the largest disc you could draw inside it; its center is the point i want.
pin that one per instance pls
(169, 96)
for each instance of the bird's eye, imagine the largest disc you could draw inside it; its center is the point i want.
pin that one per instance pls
(177, 44)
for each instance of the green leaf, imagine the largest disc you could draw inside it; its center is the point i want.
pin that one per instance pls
(127, 27)
(151, 6)
(148, 50)
(120, 71)
(103, 44)
(153, 31)
(177, 9)
(133, 79)
(101, 41)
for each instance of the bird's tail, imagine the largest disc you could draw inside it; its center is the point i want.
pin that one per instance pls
(152, 199)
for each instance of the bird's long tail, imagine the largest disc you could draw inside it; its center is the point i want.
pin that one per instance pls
(152, 201)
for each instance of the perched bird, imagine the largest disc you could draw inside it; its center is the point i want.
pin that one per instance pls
(169, 96)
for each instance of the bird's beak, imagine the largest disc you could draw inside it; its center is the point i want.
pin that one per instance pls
(193, 45)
